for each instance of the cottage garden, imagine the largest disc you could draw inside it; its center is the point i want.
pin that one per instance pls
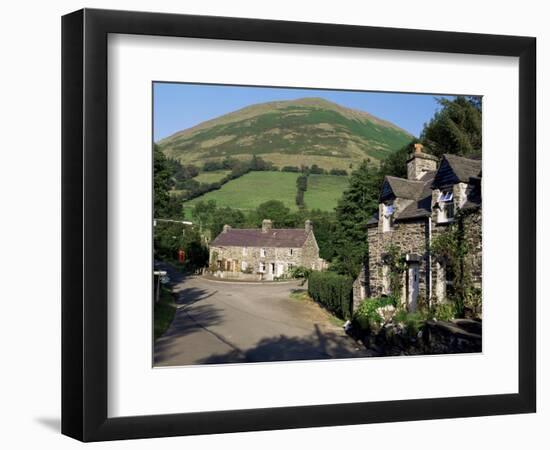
(398, 258)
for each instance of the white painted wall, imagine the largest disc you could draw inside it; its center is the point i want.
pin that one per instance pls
(30, 325)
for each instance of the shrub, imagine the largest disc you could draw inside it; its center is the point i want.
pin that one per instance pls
(300, 272)
(333, 291)
(413, 322)
(367, 317)
(444, 312)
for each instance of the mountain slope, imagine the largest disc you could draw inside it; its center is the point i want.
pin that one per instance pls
(304, 131)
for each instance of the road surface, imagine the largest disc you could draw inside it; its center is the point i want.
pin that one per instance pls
(231, 322)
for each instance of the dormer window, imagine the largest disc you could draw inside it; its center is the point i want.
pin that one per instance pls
(387, 217)
(446, 211)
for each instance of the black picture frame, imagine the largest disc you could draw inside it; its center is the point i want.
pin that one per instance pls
(84, 224)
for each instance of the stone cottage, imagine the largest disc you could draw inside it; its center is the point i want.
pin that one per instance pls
(411, 213)
(264, 254)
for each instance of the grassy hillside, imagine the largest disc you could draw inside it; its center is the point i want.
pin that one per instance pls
(304, 131)
(324, 191)
(253, 189)
(249, 191)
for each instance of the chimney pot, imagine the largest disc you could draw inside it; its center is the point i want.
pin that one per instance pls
(226, 228)
(308, 226)
(266, 225)
(418, 147)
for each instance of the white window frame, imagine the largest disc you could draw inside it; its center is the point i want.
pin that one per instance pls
(245, 251)
(387, 219)
(263, 252)
(244, 266)
(261, 267)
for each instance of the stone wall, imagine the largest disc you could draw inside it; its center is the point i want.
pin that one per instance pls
(410, 237)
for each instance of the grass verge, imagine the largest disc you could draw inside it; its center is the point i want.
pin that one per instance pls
(164, 313)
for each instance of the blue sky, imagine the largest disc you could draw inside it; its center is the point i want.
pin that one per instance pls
(179, 106)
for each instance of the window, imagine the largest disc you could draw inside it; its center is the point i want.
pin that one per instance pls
(291, 251)
(446, 206)
(262, 267)
(290, 267)
(263, 252)
(245, 251)
(244, 266)
(387, 217)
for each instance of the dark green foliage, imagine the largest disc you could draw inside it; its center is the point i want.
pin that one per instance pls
(300, 272)
(396, 163)
(301, 187)
(290, 169)
(315, 169)
(162, 182)
(300, 199)
(210, 166)
(301, 183)
(169, 237)
(453, 249)
(366, 316)
(226, 216)
(341, 172)
(333, 291)
(274, 210)
(357, 205)
(456, 128)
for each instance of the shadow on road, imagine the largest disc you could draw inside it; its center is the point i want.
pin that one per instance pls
(318, 345)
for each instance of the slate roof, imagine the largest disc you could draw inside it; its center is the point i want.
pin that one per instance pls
(254, 237)
(402, 188)
(454, 169)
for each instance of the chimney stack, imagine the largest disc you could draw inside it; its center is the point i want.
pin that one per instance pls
(419, 163)
(266, 225)
(226, 228)
(309, 226)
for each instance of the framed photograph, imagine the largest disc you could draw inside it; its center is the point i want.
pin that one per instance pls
(273, 224)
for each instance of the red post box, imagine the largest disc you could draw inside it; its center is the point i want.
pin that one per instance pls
(181, 255)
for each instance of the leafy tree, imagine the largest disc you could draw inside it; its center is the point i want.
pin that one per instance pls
(396, 163)
(274, 210)
(355, 208)
(162, 182)
(202, 213)
(225, 216)
(456, 128)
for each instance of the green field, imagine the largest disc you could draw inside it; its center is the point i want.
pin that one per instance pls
(253, 189)
(324, 191)
(211, 177)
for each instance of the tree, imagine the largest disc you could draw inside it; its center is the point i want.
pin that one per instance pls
(202, 213)
(456, 128)
(162, 182)
(225, 216)
(396, 163)
(274, 210)
(355, 208)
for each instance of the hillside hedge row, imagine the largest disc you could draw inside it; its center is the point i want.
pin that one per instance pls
(333, 291)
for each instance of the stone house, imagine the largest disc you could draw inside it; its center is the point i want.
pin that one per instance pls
(411, 213)
(264, 254)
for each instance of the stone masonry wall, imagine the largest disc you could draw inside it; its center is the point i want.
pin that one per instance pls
(410, 237)
(307, 256)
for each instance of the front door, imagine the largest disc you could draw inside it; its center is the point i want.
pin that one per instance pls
(412, 286)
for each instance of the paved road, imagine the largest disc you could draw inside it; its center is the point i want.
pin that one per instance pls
(221, 322)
